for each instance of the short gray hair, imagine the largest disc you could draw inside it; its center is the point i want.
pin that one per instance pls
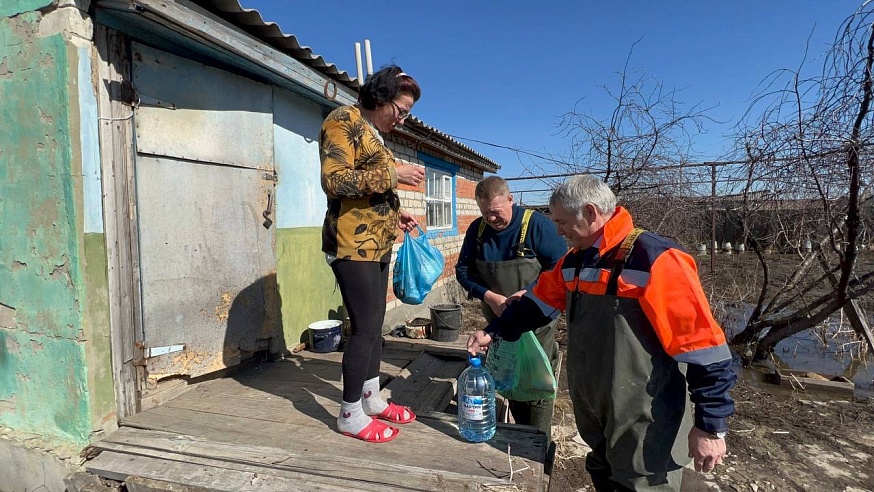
(580, 190)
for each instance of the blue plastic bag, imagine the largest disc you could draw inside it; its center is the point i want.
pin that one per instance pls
(417, 267)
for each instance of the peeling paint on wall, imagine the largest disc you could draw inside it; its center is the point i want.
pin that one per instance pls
(7, 316)
(42, 362)
(14, 7)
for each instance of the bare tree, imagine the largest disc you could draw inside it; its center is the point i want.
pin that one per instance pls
(642, 150)
(807, 151)
(799, 177)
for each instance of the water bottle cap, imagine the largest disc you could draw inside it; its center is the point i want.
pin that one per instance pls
(474, 361)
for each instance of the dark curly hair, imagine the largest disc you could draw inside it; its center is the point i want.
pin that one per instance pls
(384, 85)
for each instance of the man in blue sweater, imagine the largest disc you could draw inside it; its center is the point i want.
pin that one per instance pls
(503, 252)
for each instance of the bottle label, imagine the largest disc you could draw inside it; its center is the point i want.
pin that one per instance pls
(472, 407)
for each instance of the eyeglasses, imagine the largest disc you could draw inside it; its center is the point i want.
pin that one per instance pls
(401, 112)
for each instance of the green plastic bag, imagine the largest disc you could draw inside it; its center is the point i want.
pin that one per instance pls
(501, 363)
(534, 378)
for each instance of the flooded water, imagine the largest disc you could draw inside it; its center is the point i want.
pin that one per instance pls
(805, 352)
(830, 350)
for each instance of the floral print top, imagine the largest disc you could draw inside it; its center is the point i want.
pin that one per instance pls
(359, 179)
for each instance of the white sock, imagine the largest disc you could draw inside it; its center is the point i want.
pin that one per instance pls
(352, 418)
(371, 400)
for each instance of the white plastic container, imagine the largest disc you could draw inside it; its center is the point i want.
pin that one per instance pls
(325, 335)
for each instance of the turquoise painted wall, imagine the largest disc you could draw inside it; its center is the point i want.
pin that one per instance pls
(9, 8)
(43, 375)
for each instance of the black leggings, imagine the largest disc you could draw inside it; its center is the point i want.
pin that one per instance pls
(364, 286)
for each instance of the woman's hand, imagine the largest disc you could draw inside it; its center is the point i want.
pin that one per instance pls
(410, 174)
(407, 221)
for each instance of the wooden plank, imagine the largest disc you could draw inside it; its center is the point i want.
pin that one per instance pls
(206, 478)
(807, 381)
(116, 165)
(303, 368)
(851, 309)
(310, 467)
(527, 441)
(445, 349)
(166, 390)
(85, 482)
(272, 401)
(428, 383)
(142, 484)
(294, 370)
(399, 357)
(415, 446)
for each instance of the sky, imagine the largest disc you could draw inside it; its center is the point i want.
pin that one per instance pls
(505, 72)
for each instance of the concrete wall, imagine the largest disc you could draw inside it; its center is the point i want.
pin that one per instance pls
(55, 375)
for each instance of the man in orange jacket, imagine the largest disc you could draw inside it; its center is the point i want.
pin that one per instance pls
(642, 343)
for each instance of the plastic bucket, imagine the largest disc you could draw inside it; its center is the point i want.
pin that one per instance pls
(325, 335)
(445, 322)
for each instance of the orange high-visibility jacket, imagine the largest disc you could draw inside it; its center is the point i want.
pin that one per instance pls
(664, 280)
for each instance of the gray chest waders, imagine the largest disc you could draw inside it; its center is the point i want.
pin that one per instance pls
(630, 399)
(507, 278)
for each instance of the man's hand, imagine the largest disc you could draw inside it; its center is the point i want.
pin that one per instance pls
(515, 297)
(705, 450)
(495, 301)
(478, 342)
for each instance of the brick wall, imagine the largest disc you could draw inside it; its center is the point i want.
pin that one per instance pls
(413, 200)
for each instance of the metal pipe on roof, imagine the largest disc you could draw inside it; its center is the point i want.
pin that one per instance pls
(358, 63)
(368, 58)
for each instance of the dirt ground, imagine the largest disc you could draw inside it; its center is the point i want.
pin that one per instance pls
(780, 440)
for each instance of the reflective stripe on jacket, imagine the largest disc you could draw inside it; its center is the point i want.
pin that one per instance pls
(662, 277)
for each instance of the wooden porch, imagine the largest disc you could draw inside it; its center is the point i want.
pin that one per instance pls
(273, 428)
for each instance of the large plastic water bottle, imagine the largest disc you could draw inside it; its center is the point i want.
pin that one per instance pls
(476, 402)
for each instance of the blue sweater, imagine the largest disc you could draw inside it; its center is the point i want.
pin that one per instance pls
(541, 241)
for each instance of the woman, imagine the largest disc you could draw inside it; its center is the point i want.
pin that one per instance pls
(359, 176)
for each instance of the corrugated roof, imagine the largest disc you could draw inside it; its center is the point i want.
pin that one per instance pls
(250, 21)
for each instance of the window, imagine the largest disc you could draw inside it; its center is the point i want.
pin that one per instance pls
(439, 196)
(438, 199)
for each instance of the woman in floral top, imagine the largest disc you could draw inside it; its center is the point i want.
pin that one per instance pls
(359, 177)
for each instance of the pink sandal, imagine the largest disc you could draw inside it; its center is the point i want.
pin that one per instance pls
(395, 414)
(375, 432)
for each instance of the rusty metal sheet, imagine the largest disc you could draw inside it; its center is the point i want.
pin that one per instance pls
(190, 111)
(207, 264)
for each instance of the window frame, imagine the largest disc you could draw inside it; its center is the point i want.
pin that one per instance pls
(444, 167)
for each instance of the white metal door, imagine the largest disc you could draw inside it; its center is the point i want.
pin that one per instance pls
(205, 185)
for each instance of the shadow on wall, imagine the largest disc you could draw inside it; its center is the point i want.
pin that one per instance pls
(254, 325)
